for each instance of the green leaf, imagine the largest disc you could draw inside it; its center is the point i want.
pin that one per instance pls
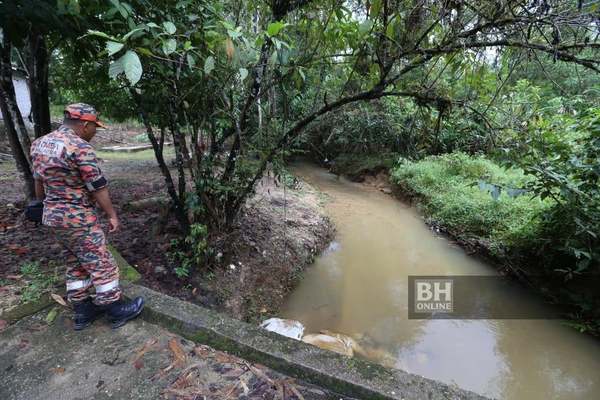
(169, 46)
(190, 60)
(273, 58)
(151, 25)
(115, 68)
(169, 27)
(131, 33)
(103, 35)
(274, 28)
(51, 315)
(243, 73)
(389, 31)
(365, 27)
(209, 64)
(234, 34)
(375, 8)
(132, 66)
(113, 47)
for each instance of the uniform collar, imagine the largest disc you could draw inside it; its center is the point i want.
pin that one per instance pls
(65, 129)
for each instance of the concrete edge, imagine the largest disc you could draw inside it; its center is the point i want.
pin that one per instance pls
(350, 376)
(26, 309)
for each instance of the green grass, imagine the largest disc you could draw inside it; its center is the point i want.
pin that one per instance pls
(144, 155)
(38, 281)
(446, 188)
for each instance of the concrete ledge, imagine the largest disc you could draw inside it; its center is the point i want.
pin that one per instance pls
(23, 310)
(349, 376)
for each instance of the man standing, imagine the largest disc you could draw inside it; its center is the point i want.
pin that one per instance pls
(68, 179)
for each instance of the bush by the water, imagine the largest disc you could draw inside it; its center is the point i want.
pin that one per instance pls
(474, 197)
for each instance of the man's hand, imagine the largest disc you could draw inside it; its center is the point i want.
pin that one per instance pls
(103, 199)
(113, 223)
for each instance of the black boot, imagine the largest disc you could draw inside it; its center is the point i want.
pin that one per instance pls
(122, 311)
(85, 313)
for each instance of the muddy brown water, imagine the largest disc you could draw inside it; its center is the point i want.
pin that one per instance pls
(358, 287)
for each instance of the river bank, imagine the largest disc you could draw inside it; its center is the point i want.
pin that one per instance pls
(358, 288)
(280, 231)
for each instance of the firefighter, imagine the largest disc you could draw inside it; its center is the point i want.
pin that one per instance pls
(70, 183)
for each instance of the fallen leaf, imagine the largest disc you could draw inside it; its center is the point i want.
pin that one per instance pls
(14, 277)
(51, 315)
(23, 343)
(3, 325)
(58, 299)
(194, 291)
(296, 391)
(19, 250)
(138, 364)
(145, 348)
(58, 370)
(178, 353)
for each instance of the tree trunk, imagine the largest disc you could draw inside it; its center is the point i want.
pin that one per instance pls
(157, 146)
(38, 83)
(17, 150)
(10, 99)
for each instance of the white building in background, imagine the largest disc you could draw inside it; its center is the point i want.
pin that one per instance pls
(22, 94)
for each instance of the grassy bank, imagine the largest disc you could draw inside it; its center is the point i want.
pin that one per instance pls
(457, 192)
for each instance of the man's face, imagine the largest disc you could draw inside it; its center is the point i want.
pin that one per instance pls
(89, 131)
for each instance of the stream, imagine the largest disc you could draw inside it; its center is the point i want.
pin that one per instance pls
(358, 287)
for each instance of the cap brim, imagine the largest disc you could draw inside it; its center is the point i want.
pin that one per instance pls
(101, 125)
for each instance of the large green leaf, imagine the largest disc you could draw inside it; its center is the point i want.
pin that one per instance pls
(274, 28)
(169, 46)
(132, 66)
(169, 27)
(115, 68)
(113, 47)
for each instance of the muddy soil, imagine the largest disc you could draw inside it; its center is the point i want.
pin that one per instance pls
(277, 235)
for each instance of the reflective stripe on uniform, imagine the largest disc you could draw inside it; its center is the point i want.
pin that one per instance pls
(107, 286)
(74, 285)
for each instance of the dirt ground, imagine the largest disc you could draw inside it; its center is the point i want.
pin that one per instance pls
(48, 360)
(278, 234)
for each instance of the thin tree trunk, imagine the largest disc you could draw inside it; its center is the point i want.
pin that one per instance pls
(38, 83)
(157, 146)
(19, 155)
(10, 99)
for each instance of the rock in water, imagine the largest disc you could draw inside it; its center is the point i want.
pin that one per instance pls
(286, 327)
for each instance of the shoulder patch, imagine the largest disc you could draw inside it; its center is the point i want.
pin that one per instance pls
(50, 147)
